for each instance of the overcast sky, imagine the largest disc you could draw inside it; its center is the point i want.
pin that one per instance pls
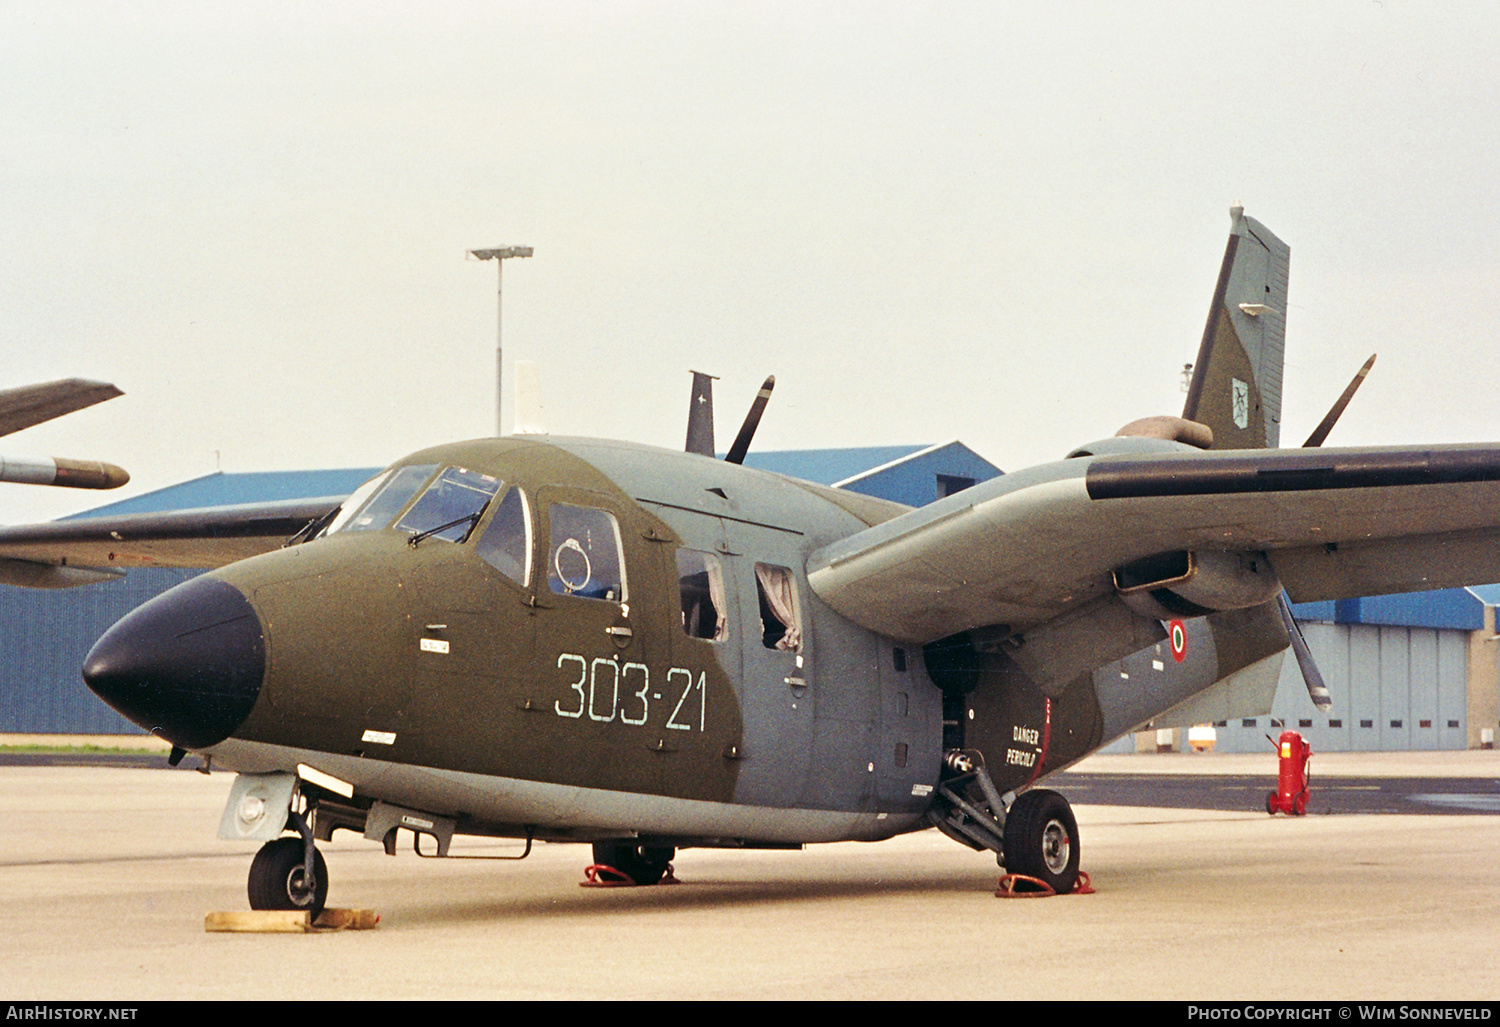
(993, 222)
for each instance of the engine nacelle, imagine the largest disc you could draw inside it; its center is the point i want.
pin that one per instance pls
(1193, 583)
(1152, 435)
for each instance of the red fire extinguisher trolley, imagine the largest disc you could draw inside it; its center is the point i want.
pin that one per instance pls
(1291, 783)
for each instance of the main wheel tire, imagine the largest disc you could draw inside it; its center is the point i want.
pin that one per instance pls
(1041, 839)
(278, 878)
(643, 864)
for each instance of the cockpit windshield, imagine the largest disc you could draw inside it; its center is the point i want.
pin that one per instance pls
(387, 493)
(451, 505)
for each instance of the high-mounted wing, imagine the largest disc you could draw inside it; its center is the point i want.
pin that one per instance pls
(1026, 549)
(76, 552)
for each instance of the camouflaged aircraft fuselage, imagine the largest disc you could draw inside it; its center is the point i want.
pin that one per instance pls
(621, 665)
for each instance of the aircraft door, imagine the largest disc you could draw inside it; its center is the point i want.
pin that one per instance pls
(777, 689)
(473, 622)
(596, 594)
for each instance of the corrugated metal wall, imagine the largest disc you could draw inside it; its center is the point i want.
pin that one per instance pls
(1393, 688)
(46, 635)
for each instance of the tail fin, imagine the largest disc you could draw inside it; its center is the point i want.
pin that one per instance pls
(700, 428)
(1236, 385)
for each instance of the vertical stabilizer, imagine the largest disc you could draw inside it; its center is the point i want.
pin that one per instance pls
(700, 426)
(1236, 386)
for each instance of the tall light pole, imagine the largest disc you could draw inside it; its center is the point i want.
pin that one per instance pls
(500, 255)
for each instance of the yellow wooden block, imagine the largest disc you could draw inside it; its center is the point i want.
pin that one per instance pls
(289, 921)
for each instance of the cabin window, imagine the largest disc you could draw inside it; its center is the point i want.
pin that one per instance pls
(506, 543)
(780, 615)
(701, 584)
(584, 553)
(391, 491)
(451, 505)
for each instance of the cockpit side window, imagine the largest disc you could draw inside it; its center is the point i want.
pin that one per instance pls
(391, 491)
(506, 543)
(451, 505)
(701, 584)
(780, 613)
(583, 556)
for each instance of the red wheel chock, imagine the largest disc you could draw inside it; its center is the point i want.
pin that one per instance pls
(601, 875)
(1020, 886)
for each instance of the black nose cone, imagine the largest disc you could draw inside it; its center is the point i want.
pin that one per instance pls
(186, 666)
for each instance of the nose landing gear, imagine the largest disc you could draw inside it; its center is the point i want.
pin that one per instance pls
(289, 873)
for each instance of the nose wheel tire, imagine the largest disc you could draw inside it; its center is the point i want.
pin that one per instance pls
(278, 878)
(1041, 839)
(643, 864)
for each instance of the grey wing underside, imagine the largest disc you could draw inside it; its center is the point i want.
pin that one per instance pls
(33, 404)
(61, 553)
(1027, 548)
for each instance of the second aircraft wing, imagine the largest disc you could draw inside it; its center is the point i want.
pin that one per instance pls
(41, 555)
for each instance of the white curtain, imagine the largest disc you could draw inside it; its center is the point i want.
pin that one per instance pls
(716, 594)
(781, 596)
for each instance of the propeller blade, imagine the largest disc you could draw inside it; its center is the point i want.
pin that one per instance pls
(1321, 431)
(1316, 690)
(700, 426)
(741, 445)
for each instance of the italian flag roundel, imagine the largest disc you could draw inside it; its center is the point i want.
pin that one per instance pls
(1177, 634)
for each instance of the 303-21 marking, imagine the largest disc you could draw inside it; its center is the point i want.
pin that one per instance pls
(604, 689)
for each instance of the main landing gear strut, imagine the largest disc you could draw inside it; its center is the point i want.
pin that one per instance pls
(1035, 835)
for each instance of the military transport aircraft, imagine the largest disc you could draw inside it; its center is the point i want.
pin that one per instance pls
(34, 404)
(564, 639)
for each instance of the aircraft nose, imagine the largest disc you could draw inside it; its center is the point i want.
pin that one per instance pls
(186, 666)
